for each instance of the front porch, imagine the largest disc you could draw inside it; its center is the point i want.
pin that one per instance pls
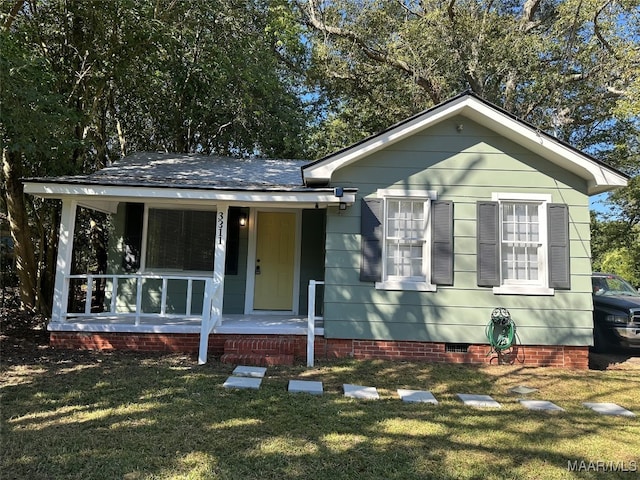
(187, 309)
(249, 339)
(234, 324)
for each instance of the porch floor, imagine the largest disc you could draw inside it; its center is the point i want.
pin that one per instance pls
(254, 324)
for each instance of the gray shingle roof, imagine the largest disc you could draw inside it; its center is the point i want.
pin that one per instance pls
(196, 171)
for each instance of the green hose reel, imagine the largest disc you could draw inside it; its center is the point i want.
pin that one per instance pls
(500, 331)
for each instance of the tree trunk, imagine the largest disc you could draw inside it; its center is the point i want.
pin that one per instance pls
(50, 259)
(20, 230)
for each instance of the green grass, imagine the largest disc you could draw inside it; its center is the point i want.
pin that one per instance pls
(122, 416)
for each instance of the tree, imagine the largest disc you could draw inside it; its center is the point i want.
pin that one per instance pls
(568, 67)
(34, 125)
(86, 82)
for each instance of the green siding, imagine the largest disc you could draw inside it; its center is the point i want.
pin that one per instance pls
(464, 168)
(235, 285)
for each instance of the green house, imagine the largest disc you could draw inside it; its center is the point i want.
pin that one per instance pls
(400, 246)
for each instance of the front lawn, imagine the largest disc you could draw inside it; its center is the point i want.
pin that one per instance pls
(84, 415)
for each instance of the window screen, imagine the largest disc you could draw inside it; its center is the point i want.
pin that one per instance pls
(180, 240)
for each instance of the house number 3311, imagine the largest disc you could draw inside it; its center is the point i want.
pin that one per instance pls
(220, 226)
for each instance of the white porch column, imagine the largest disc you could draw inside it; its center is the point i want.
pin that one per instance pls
(63, 264)
(220, 249)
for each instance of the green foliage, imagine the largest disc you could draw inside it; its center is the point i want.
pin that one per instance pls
(177, 76)
(84, 83)
(568, 67)
(622, 261)
(34, 121)
(615, 247)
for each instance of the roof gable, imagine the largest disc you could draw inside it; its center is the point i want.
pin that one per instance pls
(599, 177)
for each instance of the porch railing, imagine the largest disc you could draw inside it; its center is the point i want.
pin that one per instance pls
(96, 295)
(311, 321)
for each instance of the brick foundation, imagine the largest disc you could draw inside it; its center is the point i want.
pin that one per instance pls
(329, 348)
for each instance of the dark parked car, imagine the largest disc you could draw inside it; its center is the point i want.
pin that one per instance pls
(616, 313)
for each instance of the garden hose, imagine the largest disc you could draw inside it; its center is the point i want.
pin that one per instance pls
(500, 331)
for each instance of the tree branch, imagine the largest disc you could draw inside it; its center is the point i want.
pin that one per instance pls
(425, 83)
(405, 7)
(528, 14)
(17, 6)
(598, 31)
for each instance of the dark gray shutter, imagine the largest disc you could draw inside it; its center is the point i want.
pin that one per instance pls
(371, 240)
(132, 238)
(442, 243)
(488, 255)
(559, 258)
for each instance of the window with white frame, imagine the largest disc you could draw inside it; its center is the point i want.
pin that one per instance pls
(523, 241)
(406, 241)
(180, 240)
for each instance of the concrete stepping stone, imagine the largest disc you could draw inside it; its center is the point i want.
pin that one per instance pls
(481, 401)
(523, 390)
(305, 386)
(416, 396)
(609, 409)
(243, 382)
(359, 391)
(541, 405)
(244, 371)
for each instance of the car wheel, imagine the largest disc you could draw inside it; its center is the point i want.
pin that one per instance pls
(600, 342)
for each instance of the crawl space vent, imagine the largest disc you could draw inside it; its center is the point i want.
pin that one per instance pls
(456, 347)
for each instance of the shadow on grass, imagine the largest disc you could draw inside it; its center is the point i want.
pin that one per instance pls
(119, 417)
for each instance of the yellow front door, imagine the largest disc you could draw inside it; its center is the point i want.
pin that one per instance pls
(275, 261)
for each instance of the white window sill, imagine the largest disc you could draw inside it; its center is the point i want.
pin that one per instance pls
(523, 290)
(411, 286)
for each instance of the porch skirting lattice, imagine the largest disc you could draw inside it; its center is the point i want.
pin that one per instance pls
(329, 348)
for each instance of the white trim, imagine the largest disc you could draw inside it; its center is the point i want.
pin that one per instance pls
(599, 177)
(251, 262)
(405, 192)
(119, 193)
(77, 326)
(231, 324)
(421, 285)
(411, 286)
(109, 207)
(63, 262)
(523, 290)
(541, 286)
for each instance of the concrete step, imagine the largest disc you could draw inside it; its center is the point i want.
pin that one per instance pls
(263, 346)
(257, 359)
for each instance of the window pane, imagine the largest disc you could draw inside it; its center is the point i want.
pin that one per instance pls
(164, 225)
(405, 238)
(180, 240)
(519, 263)
(520, 241)
(199, 240)
(405, 261)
